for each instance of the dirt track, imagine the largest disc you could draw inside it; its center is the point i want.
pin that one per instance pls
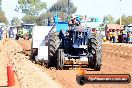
(117, 59)
(28, 74)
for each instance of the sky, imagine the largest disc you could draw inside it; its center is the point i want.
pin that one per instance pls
(94, 8)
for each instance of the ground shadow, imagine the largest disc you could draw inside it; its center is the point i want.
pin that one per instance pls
(3, 86)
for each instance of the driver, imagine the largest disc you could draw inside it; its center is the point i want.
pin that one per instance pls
(74, 22)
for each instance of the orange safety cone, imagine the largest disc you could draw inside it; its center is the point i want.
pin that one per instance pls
(10, 75)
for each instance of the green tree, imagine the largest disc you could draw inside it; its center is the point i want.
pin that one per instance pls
(62, 6)
(62, 15)
(3, 18)
(129, 20)
(31, 7)
(109, 19)
(29, 19)
(43, 18)
(15, 21)
(125, 20)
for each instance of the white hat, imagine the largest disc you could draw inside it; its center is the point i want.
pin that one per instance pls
(73, 16)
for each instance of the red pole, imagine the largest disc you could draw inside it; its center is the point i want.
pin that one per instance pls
(10, 76)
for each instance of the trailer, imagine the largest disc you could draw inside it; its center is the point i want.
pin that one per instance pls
(39, 48)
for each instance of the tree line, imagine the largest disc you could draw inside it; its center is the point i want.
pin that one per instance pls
(125, 20)
(37, 12)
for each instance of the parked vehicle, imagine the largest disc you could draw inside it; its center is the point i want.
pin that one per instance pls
(25, 31)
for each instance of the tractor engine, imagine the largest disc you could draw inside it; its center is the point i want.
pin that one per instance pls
(74, 42)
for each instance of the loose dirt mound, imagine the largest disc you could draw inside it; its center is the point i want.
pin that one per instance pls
(4, 61)
(119, 55)
(26, 46)
(29, 75)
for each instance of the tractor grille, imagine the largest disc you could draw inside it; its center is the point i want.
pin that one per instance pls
(78, 37)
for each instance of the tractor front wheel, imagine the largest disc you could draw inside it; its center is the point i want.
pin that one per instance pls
(60, 59)
(95, 50)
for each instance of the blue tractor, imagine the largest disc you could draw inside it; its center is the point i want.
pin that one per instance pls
(67, 47)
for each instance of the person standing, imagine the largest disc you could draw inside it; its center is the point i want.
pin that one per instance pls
(125, 36)
(129, 33)
(130, 37)
(110, 34)
(11, 33)
(4, 36)
(118, 36)
(1, 31)
(15, 32)
(114, 36)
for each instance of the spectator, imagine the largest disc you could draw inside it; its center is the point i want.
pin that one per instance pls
(49, 22)
(11, 33)
(1, 31)
(4, 36)
(124, 36)
(119, 36)
(127, 35)
(114, 37)
(15, 32)
(110, 34)
(130, 37)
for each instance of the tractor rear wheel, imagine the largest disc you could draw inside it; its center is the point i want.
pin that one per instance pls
(53, 45)
(95, 50)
